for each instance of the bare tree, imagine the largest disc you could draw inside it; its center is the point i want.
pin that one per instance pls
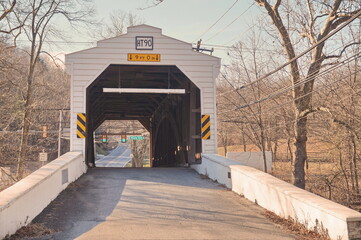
(332, 14)
(119, 21)
(247, 65)
(12, 19)
(152, 4)
(139, 151)
(38, 27)
(6, 8)
(224, 135)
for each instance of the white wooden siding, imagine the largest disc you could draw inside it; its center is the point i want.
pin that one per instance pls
(85, 66)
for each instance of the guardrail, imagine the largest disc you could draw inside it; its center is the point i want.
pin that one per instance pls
(283, 198)
(22, 202)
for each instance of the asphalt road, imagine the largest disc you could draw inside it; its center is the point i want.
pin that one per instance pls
(119, 157)
(154, 203)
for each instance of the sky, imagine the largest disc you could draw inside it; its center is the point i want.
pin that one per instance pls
(186, 20)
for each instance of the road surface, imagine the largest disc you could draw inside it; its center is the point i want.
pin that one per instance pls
(154, 203)
(119, 157)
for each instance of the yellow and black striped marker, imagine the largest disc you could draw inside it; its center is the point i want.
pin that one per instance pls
(206, 127)
(80, 125)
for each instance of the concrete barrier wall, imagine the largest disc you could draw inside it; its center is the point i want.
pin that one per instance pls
(252, 159)
(216, 168)
(283, 198)
(22, 202)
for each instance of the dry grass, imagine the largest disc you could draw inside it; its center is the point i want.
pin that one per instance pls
(283, 170)
(313, 145)
(32, 230)
(324, 177)
(297, 228)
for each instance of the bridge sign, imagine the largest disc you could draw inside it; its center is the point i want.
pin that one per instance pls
(136, 137)
(138, 57)
(143, 43)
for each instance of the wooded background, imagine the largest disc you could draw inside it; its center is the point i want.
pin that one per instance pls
(307, 111)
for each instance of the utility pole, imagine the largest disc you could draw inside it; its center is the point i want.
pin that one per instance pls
(199, 49)
(59, 134)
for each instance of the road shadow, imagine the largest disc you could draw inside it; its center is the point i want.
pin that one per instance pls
(92, 198)
(105, 197)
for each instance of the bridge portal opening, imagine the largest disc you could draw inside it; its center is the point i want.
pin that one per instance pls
(162, 98)
(121, 143)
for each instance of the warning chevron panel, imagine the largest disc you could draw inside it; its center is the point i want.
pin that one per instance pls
(206, 127)
(80, 125)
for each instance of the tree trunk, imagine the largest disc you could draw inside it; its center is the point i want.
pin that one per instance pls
(345, 176)
(289, 150)
(274, 151)
(26, 127)
(23, 145)
(352, 155)
(300, 154)
(302, 93)
(354, 159)
(244, 142)
(263, 147)
(225, 149)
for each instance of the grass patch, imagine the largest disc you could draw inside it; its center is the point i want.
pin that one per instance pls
(146, 163)
(101, 149)
(32, 230)
(297, 228)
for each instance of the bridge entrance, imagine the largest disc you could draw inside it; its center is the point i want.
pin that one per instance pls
(164, 83)
(121, 144)
(173, 118)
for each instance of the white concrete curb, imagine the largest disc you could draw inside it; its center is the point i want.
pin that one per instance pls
(22, 202)
(283, 198)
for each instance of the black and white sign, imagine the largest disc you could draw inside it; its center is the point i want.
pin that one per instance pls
(43, 157)
(143, 43)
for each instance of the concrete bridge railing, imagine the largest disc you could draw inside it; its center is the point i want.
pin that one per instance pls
(22, 202)
(283, 198)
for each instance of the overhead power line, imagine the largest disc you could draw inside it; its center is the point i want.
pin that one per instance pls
(316, 90)
(223, 29)
(233, 39)
(294, 121)
(231, 47)
(307, 79)
(298, 71)
(62, 42)
(358, 14)
(217, 20)
(299, 118)
(298, 56)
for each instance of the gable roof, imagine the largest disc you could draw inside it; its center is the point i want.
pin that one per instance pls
(141, 29)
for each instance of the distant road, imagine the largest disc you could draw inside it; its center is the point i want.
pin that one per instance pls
(119, 157)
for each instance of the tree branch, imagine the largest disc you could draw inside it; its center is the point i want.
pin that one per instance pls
(334, 119)
(312, 110)
(8, 11)
(342, 51)
(155, 3)
(7, 174)
(341, 18)
(277, 5)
